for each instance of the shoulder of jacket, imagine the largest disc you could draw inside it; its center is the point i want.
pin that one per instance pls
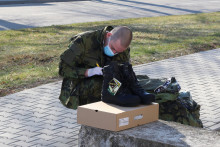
(86, 35)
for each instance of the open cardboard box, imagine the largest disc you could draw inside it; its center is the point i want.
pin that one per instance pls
(116, 118)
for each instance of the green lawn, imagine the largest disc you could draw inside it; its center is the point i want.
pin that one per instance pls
(30, 57)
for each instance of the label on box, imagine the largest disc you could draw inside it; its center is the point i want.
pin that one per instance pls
(138, 117)
(123, 121)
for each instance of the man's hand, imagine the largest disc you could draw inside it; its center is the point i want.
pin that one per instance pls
(93, 71)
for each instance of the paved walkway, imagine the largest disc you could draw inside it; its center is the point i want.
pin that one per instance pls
(35, 117)
(28, 15)
(198, 73)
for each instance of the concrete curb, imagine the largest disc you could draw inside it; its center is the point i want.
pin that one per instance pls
(155, 134)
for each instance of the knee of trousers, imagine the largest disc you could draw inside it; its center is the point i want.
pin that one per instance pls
(90, 87)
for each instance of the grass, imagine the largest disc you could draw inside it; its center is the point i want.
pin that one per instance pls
(30, 57)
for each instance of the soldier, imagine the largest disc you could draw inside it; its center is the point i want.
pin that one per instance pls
(81, 64)
(81, 68)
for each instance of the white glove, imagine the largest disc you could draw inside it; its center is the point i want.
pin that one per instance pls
(95, 71)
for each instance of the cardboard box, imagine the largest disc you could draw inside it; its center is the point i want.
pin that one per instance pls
(115, 118)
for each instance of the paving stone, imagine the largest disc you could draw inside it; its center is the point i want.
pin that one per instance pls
(27, 104)
(19, 117)
(21, 144)
(64, 140)
(32, 123)
(65, 134)
(78, 127)
(56, 109)
(41, 106)
(2, 131)
(56, 114)
(9, 135)
(9, 110)
(41, 142)
(68, 125)
(208, 124)
(22, 112)
(9, 106)
(54, 117)
(70, 114)
(12, 130)
(36, 119)
(7, 141)
(67, 130)
(13, 125)
(57, 104)
(59, 144)
(215, 127)
(25, 138)
(28, 133)
(32, 128)
(40, 115)
(45, 136)
(75, 137)
(4, 145)
(4, 119)
(69, 119)
(39, 110)
(51, 127)
(48, 131)
(73, 143)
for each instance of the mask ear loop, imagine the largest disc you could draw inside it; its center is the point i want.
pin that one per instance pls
(110, 48)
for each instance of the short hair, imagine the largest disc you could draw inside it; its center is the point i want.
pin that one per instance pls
(124, 34)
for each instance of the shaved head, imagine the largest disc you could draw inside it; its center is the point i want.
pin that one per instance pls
(123, 34)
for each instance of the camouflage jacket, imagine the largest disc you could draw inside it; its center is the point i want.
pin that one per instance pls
(84, 51)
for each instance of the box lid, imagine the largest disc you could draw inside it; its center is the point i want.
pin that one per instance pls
(110, 108)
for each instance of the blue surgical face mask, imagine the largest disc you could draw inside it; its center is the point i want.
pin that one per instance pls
(107, 50)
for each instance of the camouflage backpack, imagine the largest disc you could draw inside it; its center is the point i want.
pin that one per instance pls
(174, 105)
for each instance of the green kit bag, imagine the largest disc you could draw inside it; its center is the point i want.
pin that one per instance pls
(174, 105)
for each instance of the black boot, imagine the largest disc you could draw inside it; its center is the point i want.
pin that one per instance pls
(146, 98)
(115, 88)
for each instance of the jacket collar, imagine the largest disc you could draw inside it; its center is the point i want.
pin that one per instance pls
(101, 42)
(103, 33)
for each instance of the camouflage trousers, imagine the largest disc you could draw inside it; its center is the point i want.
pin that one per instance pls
(86, 91)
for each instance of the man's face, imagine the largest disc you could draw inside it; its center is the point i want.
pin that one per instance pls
(116, 47)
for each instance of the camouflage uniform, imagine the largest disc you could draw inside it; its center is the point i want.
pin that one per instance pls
(178, 107)
(84, 51)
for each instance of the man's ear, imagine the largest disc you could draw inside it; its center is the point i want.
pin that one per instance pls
(108, 34)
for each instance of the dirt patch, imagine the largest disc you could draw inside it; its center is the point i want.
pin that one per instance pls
(24, 59)
(19, 60)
